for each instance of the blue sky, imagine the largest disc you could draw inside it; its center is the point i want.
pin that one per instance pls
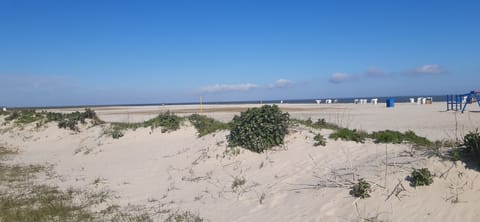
(70, 52)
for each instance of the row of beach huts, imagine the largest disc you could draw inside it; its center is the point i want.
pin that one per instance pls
(419, 100)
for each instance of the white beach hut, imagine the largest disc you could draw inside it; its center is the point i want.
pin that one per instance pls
(412, 100)
(318, 101)
(4, 109)
(355, 101)
(374, 101)
(328, 101)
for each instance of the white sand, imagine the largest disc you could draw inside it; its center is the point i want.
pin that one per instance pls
(178, 170)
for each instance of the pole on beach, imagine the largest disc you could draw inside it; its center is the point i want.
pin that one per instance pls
(201, 104)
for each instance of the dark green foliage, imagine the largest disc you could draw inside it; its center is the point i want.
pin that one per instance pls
(319, 124)
(259, 129)
(68, 123)
(471, 142)
(206, 125)
(421, 177)
(70, 120)
(349, 135)
(319, 140)
(168, 121)
(116, 133)
(387, 136)
(361, 189)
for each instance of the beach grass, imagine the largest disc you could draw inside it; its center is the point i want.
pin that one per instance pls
(206, 125)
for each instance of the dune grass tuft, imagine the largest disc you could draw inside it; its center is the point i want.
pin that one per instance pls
(206, 125)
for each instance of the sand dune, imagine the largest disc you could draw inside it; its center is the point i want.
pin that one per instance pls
(295, 182)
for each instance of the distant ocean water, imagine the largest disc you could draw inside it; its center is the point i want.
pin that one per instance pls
(398, 99)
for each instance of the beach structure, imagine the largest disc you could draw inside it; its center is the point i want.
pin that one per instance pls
(318, 101)
(390, 103)
(374, 101)
(460, 102)
(355, 101)
(328, 101)
(4, 109)
(412, 100)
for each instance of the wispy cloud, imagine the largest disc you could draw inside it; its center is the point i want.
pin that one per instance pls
(340, 77)
(429, 69)
(221, 88)
(375, 72)
(228, 87)
(282, 83)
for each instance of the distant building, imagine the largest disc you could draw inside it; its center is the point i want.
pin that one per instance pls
(4, 109)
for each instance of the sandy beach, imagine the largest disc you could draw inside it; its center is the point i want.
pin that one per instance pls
(178, 170)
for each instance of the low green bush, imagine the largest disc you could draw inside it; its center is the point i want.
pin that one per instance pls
(259, 129)
(319, 140)
(206, 125)
(349, 135)
(471, 143)
(361, 189)
(421, 177)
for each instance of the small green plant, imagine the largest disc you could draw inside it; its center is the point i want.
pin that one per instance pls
(319, 140)
(206, 125)
(349, 135)
(361, 189)
(168, 121)
(421, 177)
(259, 129)
(471, 142)
(238, 182)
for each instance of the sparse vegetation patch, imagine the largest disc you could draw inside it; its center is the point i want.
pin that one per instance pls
(349, 135)
(390, 136)
(361, 189)
(319, 140)
(319, 124)
(206, 125)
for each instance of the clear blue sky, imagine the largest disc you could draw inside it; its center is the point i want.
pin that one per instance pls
(71, 52)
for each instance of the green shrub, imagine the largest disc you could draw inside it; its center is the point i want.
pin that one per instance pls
(361, 189)
(206, 125)
(168, 121)
(471, 142)
(319, 140)
(349, 135)
(68, 123)
(421, 177)
(259, 129)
